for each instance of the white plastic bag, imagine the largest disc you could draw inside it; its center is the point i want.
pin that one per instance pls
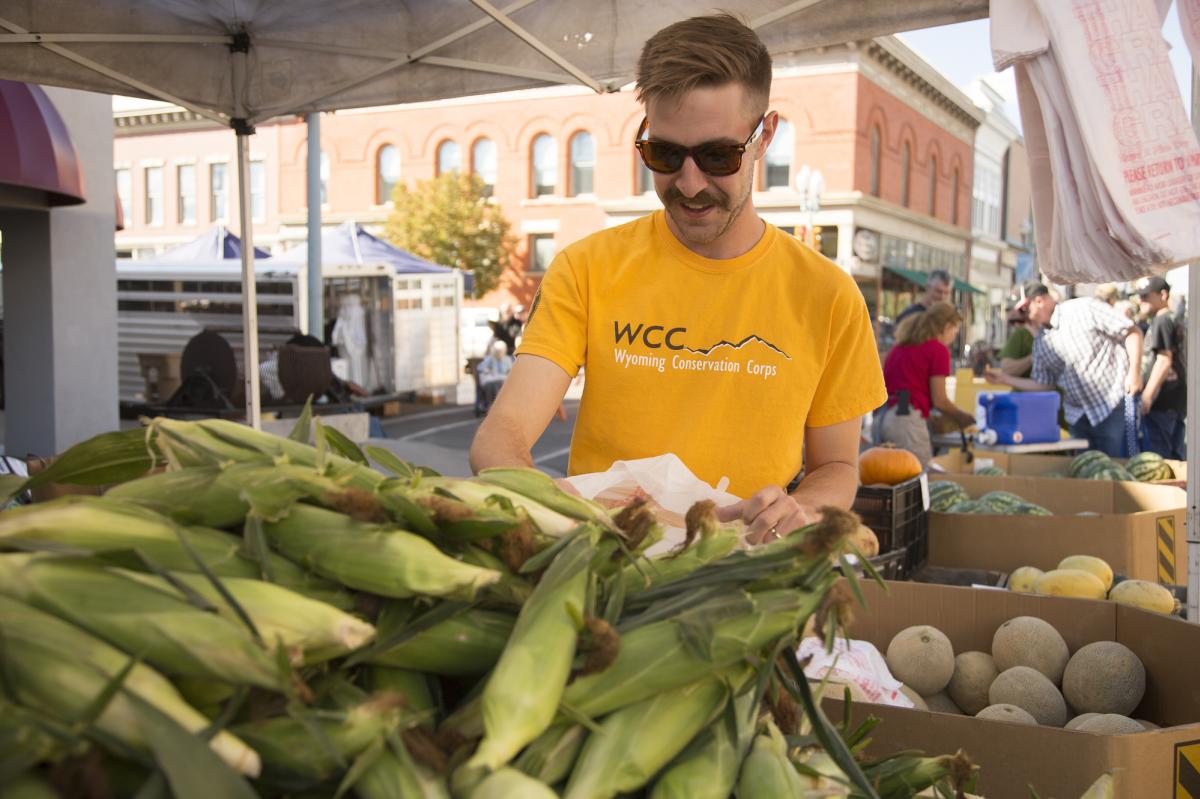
(665, 480)
(853, 662)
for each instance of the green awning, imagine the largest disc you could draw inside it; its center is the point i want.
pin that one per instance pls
(918, 277)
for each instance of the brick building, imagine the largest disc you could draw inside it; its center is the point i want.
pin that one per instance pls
(893, 138)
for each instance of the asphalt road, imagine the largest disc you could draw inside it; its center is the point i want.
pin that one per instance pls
(446, 433)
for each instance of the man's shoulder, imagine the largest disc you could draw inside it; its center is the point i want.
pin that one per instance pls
(813, 268)
(614, 239)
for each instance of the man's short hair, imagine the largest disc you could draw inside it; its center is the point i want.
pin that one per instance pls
(704, 52)
(940, 276)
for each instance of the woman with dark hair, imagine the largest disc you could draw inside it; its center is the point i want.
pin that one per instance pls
(915, 372)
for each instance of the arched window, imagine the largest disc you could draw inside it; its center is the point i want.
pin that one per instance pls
(583, 163)
(933, 179)
(387, 172)
(545, 165)
(905, 173)
(449, 157)
(954, 198)
(324, 178)
(483, 164)
(777, 168)
(875, 145)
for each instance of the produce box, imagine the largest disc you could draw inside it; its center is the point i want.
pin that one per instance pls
(1057, 762)
(955, 462)
(1138, 529)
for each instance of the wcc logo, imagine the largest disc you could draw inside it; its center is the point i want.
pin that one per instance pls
(657, 337)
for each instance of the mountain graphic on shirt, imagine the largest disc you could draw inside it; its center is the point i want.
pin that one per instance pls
(747, 341)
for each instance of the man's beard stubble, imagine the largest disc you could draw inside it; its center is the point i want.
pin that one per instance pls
(713, 196)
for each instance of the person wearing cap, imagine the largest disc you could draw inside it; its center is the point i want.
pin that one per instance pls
(1164, 398)
(1094, 355)
(1031, 315)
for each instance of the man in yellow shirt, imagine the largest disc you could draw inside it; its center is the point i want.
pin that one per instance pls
(703, 330)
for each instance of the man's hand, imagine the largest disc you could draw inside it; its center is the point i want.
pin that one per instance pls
(1133, 383)
(997, 376)
(566, 486)
(770, 514)
(1146, 401)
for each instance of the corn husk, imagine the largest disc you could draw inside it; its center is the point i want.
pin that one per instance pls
(411, 686)
(646, 573)
(467, 644)
(188, 496)
(551, 757)
(480, 494)
(766, 772)
(394, 775)
(508, 783)
(61, 670)
(709, 768)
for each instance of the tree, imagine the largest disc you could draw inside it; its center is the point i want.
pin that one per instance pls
(450, 221)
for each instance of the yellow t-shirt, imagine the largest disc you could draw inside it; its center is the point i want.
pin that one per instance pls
(722, 362)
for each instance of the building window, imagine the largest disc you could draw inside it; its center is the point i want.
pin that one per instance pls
(258, 191)
(154, 195)
(449, 157)
(541, 251)
(387, 172)
(583, 163)
(905, 173)
(645, 178)
(954, 197)
(125, 193)
(185, 175)
(218, 187)
(324, 178)
(827, 240)
(545, 165)
(875, 145)
(933, 179)
(483, 164)
(777, 170)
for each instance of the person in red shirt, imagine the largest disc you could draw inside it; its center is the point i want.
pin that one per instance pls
(915, 372)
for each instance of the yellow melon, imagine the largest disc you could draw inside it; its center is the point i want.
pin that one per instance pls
(1070, 582)
(1145, 595)
(1091, 564)
(1023, 579)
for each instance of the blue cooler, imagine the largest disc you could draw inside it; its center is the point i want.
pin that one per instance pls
(1019, 417)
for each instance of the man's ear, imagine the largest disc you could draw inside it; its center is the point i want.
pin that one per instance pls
(770, 125)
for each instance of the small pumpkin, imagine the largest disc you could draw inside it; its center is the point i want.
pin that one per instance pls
(887, 464)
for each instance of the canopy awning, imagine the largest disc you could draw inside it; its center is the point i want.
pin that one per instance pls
(918, 277)
(38, 164)
(215, 244)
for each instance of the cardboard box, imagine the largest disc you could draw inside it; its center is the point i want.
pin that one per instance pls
(1140, 529)
(955, 462)
(1057, 762)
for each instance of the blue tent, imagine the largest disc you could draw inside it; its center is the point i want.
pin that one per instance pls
(216, 244)
(349, 243)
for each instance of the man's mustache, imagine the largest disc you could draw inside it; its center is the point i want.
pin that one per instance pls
(703, 198)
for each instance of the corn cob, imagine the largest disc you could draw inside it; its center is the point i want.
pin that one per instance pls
(509, 589)
(465, 645)
(188, 496)
(59, 669)
(645, 573)
(480, 495)
(397, 776)
(902, 776)
(523, 691)
(166, 630)
(411, 686)
(710, 770)
(766, 772)
(308, 630)
(508, 783)
(656, 657)
(635, 742)
(539, 487)
(318, 750)
(1102, 788)
(29, 786)
(551, 757)
(99, 524)
(379, 559)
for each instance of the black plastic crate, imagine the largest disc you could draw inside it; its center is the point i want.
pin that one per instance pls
(897, 516)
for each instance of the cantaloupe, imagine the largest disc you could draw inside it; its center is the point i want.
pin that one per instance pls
(942, 703)
(1145, 595)
(1031, 691)
(922, 658)
(1030, 641)
(1081, 718)
(1070, 582)
(1010, 713)
(1110, 724)
(1104, 677)
(973, 676)
(1092, 565)
(1023, 579)
(914, 697)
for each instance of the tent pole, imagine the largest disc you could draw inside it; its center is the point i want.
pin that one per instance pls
(316, 292)
(249, 285)
(1193, 409)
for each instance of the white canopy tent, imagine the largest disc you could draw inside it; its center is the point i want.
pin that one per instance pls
(241, 62)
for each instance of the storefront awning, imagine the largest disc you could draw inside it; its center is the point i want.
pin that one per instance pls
(918, 277)
(38, 163)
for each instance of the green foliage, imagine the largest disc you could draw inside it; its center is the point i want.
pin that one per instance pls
(450, 221)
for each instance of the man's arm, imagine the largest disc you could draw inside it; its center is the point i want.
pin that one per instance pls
(1023, 383)
(1133, 348)
(530, 396)
(1158, 376)
(942, 401)
(1016, 366)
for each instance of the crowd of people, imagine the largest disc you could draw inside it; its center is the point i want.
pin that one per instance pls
(1118, 363)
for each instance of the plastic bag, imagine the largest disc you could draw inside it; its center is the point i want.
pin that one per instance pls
(856, 663)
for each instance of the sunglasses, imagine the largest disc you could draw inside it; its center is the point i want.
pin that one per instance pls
(718, 159)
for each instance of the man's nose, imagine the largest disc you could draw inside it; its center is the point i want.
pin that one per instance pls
(691, 180)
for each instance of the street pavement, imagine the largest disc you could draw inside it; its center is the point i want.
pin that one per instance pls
(441, 437)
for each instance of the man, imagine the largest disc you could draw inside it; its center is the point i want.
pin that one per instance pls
(1032, 314)
(937, 289)
(1164, 398)
(1094, 355)
(703, 330)
(508, 327)
(493, 371)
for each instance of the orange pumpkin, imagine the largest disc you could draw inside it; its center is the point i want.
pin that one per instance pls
(887, 464)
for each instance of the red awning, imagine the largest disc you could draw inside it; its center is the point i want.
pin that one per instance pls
(38, 163)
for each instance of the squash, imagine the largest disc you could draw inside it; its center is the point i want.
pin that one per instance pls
(887, 464)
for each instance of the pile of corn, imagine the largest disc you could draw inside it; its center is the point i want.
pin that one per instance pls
(243, 614)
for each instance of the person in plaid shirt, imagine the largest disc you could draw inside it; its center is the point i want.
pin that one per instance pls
(1093, 355)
